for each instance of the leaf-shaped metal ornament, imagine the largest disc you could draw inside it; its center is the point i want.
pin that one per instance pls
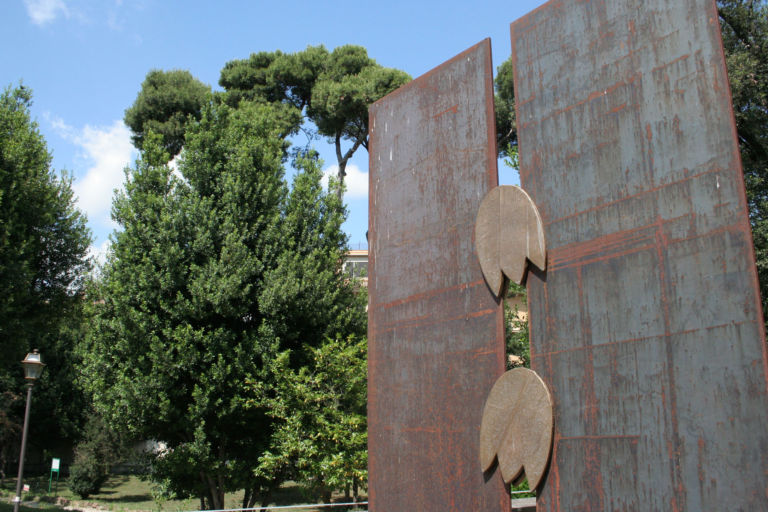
(517, 427)
(508, 233)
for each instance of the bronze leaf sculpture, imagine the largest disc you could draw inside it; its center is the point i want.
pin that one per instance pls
(517, 427)
(508, 233)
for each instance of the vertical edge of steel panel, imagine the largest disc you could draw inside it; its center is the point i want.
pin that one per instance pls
(647, 325)
(435, 335)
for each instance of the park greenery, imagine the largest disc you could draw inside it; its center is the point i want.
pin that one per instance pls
(43, 268)
(219, 273)
(221, 325)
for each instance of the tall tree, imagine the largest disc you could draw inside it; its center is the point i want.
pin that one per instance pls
(164, 105)
(332, 89)
(211, 276)
(43, 247)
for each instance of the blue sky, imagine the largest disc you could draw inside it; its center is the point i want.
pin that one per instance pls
(85, 61)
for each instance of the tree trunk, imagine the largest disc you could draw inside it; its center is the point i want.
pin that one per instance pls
(255, 497)
(215, 492)
(342, 161)
(325, 495)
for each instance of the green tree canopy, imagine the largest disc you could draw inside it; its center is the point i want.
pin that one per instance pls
(166, 101)
(43, 264)
(211, 276)
(320, 437)
(504, 103)
(332, 89)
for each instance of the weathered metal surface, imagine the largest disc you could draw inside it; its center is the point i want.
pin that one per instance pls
(517, 427)
(508, 233)
(524, 505)
(435, 331)
(646, 326)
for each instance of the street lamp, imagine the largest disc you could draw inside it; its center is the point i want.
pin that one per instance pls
(33, 368)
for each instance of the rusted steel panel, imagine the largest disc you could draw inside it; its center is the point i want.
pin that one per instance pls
(647, 324)
(435, 331)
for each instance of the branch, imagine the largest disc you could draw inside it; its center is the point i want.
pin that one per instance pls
(741, 33)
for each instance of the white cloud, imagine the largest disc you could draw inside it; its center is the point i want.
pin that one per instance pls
(111, 14)
(110, 151)
(45, 11)
(98, 255)
(107, 151)
(356, 181)
(174, 166)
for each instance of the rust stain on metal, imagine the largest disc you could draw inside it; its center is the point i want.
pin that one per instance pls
(647, 326)
(436, 339)
(517, 427)
(508, 234)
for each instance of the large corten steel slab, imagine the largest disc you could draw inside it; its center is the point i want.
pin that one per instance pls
(435, 331)
(646, 325)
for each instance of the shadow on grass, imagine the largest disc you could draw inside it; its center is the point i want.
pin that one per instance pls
(131, 498)
(114, 481)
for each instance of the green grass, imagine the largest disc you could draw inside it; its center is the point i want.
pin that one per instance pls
(125, 493)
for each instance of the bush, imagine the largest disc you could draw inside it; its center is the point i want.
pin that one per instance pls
(86, 475)
(99, 449)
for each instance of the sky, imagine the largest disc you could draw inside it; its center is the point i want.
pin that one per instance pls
(85, 61)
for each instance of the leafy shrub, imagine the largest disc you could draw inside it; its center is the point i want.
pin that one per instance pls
(94, 456)
(86, 475)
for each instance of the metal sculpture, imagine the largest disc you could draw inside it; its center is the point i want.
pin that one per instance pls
(647, 325)
(516, 427)
(435, 333)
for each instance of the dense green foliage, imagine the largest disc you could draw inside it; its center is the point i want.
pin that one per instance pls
(504, 103)
(165, 103)
(222, 276)
(99, 449)
(43, 264)
(518, 348)
(86, 476)
(331, 89)
(320, 438)
(212, 276)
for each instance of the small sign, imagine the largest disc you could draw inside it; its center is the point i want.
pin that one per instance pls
(55, 463)
(26, 487)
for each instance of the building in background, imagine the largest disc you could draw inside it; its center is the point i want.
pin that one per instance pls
(356, 264)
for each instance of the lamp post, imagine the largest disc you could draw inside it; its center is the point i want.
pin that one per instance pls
(33, 368)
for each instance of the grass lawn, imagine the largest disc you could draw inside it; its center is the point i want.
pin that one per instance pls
(123, 492)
